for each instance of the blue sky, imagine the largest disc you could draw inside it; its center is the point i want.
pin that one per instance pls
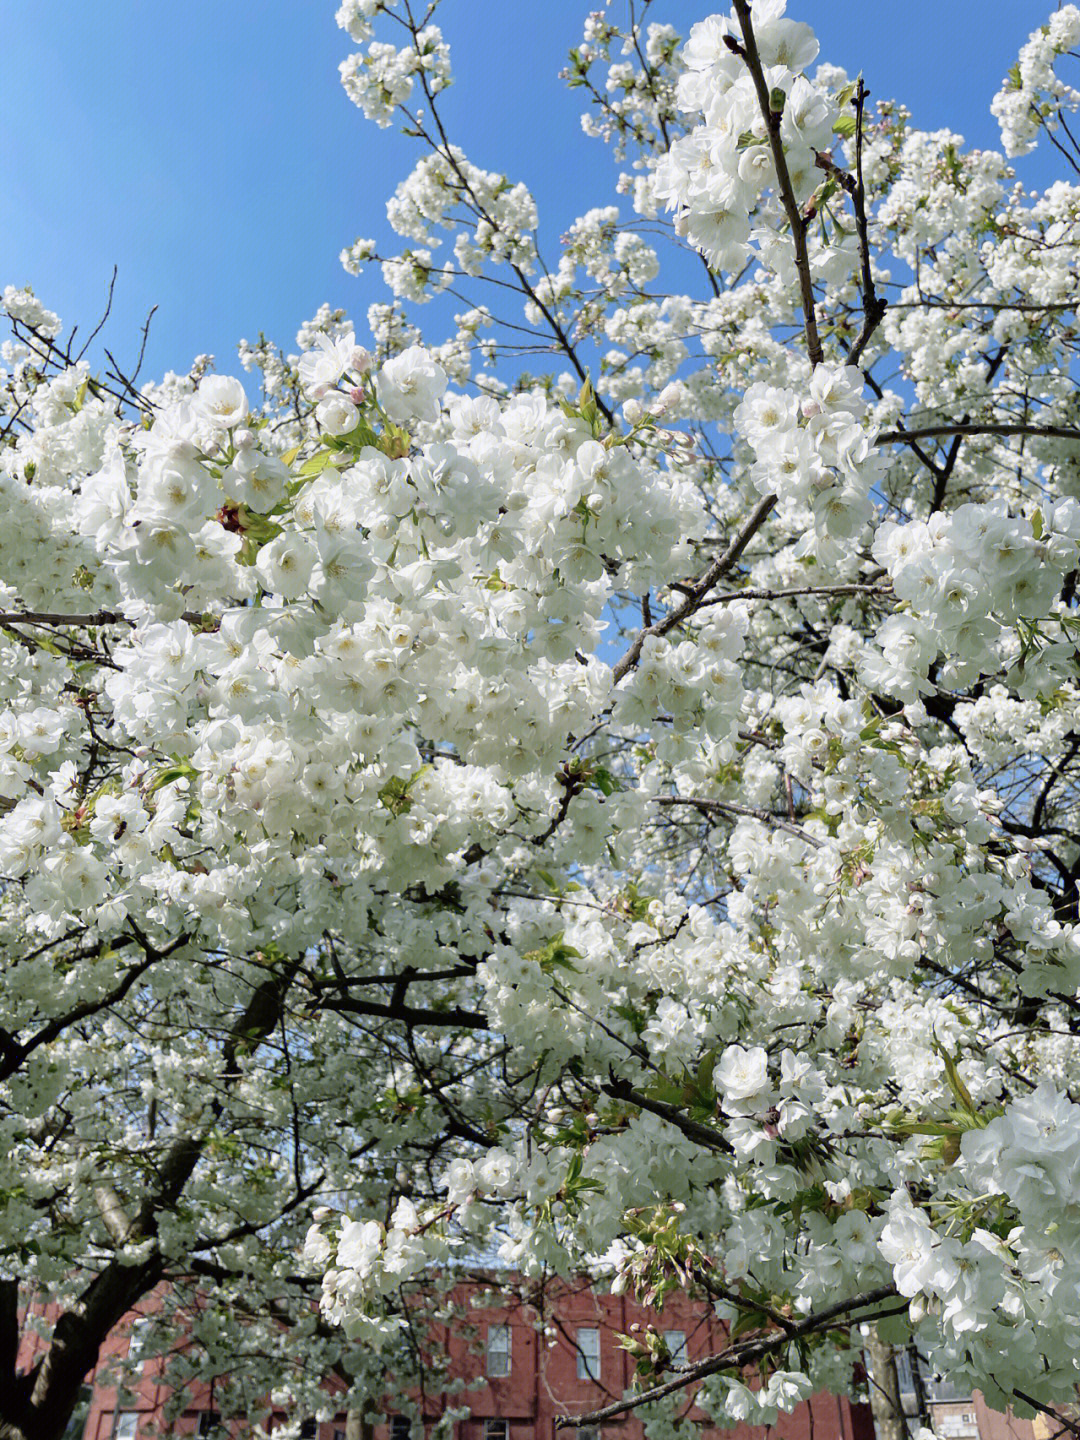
(208, 150)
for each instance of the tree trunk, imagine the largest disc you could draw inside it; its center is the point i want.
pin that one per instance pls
(884, 1384)
(357, 1428)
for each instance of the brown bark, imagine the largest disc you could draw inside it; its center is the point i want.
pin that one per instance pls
(884, 1388)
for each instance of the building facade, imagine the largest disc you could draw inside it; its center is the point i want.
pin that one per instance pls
(958, 1413)
(514, 1363)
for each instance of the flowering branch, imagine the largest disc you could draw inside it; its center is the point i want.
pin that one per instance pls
(795, 218)
(729, 807)
(698, 592)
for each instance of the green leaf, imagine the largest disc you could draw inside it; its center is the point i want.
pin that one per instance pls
(317, 463)
(395, 796)
(667, 1092)
(748, 1320)
(181, 771)
(956, 1085)
(844, 126)
(604, 781)
(846, 93)
(555, 955)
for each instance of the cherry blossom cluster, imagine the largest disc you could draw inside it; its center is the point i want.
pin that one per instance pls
(717, 174)
(1033, 94)
(813, 449)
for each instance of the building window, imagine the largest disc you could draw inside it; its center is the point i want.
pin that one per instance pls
(137, 1334)
(126, 1425)
(309, 1429)
(498, 1350)
(588, 1354)
(495, 1430)
(400, 1427)
(955, 1423)
(588, 1432)
(675, 1340)
(936, 1387)
(209, 1420)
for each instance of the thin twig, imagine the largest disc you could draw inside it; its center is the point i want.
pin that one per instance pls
(1048, 1410)
(97, 329)
(716, 571)
(823, 591)
(93, 619)
(873, 305)
(749, 52)
(729, 807)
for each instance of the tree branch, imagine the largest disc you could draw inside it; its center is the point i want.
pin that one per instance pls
(716, 571)
(733, 1356)
(710, 1139)
(977, 427)
(772, 118)
(728, 807)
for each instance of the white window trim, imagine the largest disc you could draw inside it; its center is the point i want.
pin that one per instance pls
(588, 1357)
(500, 1353)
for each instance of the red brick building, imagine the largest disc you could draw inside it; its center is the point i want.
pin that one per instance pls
(534, 1358)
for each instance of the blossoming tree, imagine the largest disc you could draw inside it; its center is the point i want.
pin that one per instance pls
(626, 819)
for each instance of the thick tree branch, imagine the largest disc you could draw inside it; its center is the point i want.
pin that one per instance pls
(977, 427)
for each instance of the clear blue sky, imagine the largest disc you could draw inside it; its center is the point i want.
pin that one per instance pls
(208, 150)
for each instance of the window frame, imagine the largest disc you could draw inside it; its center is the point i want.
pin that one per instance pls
(502, 1353)
(588, 1360)
(677, 1350)
(136, 1356)
(496, 1428)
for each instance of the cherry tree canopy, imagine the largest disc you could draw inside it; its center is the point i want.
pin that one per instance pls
(626, 819)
